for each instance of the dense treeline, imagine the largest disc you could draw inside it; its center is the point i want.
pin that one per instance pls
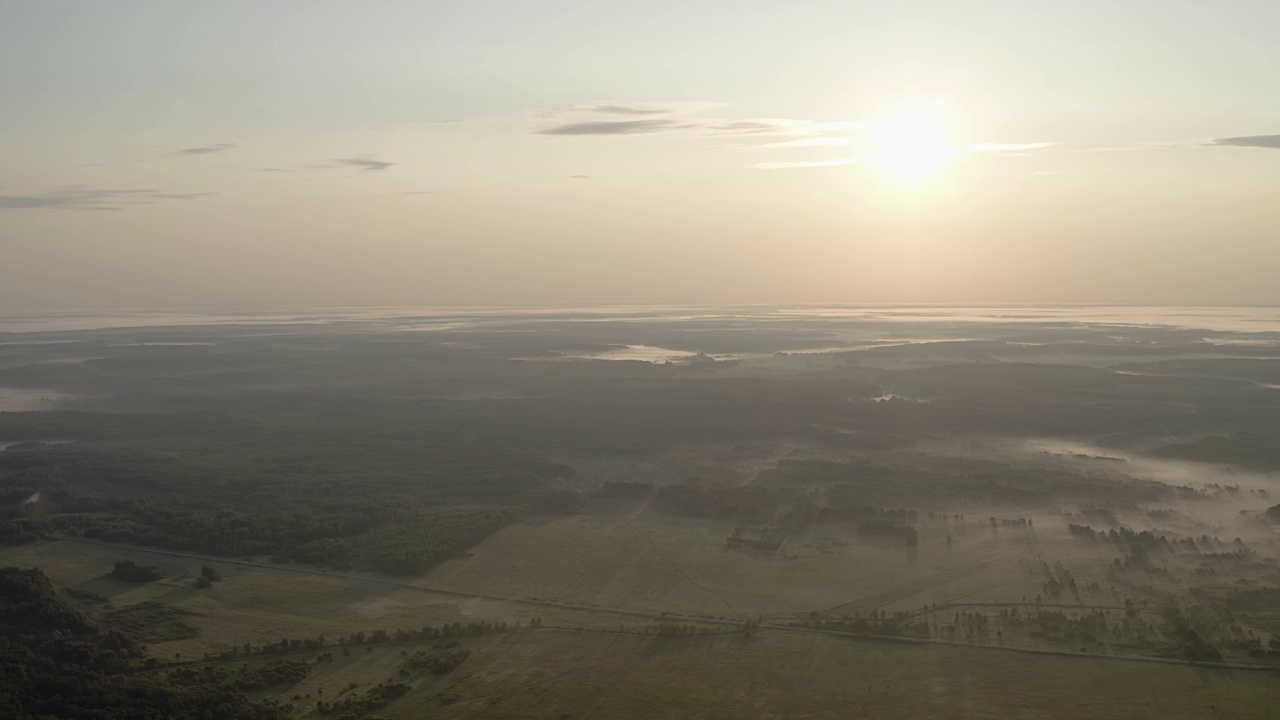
(370, 639)
(322, 515)
(439, 660)
(281, 672)
(933, 482)
(356, 706)
(1141, 546)
(55, 663)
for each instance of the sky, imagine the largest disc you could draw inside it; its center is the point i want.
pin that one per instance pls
(418, 152)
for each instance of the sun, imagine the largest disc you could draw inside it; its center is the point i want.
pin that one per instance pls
(912, 146)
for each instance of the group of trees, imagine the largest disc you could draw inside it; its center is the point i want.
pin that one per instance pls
(1178, 636)
(208, 576)
(280, 672)
(1143, 547)
(357, 706)
(877, 622)
(129, 571)
(439, 660)
(56, 663)
(370, 639)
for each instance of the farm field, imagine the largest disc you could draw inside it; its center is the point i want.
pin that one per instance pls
(556, 674)
(254, 605)
(653, 561)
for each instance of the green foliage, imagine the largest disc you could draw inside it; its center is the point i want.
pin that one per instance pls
(1187, 641)
(414, 547)
(439, 660)
(129, 571)
(356, 706)
(151, 622)
(280, 672)
(386, 523)
(1246, 449)
(55, 663)
(208, 576)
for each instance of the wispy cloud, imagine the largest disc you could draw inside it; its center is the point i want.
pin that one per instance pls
(786, 165)
(631, 109)
(697, 126)
(805, 142)
(86, 198)
(204, 149)
(703, 119)
(1266, 142)
(363, 163)
(1008, 147)
(996, 148)
(1270, 142)
(360, 163)
(620, 118)
(604, 109)
(613, 127)
(1144, 146)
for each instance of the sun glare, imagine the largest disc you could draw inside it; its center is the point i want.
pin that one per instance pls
(912, 147)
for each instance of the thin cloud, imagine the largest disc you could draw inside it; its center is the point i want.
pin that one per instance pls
(1144, 146)
(580, 177)
(632, 109)
(698, 126)
(1009, 147)
(1270, 142)
(752, 127)
(1000, 148)
(806, 142)
(205, 149)
(805, 164)
(365, 163)
(616, 118)
(361, 163)
(85, 198)
(605, 108)
(613, 127)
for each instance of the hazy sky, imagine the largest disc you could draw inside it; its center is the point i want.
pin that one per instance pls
(544, 151)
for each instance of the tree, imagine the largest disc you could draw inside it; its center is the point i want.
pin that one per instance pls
(129, 571)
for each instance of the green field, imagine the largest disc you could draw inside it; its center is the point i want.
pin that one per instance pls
(557, 674)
